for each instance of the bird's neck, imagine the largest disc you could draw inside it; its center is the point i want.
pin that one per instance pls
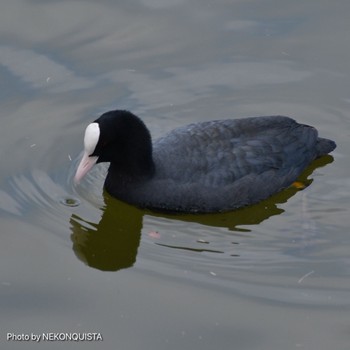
(132, 173)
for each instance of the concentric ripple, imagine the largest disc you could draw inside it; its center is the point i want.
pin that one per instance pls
(268, 251)
(243, 251)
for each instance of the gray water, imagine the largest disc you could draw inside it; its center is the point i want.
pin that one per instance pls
(73, 260)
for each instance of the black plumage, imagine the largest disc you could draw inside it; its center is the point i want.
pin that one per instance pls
(204, 167)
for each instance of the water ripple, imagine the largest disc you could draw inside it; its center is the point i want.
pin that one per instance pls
(235, 251)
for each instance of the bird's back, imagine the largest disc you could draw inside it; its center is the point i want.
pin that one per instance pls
(217, 153)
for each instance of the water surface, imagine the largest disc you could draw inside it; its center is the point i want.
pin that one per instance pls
(73, 259)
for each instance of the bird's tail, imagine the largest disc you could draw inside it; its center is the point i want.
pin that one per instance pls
(324, 146)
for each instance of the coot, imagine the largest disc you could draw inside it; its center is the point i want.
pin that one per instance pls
(206, 167)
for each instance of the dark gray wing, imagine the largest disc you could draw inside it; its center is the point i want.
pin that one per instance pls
(218, 153)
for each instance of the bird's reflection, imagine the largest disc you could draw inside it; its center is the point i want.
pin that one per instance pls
(112, 244)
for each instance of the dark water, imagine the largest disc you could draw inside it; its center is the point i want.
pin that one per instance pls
(72, 259)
